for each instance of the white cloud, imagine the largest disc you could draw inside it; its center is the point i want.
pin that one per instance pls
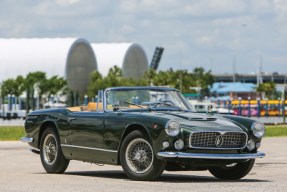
(66, 2)
(190, 31)
(125, 29)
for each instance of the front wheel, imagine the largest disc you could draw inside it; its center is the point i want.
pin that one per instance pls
(138, 159)
(51, 154)
(233, 171)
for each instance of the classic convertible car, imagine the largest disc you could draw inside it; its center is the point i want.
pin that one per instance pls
(146, 130)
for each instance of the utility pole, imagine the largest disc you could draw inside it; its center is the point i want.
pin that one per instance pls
(234, 68)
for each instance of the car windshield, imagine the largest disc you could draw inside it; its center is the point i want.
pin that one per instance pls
(145, 99)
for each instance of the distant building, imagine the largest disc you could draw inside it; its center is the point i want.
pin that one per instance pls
(233, 90)
(130, 57)
(251, 78)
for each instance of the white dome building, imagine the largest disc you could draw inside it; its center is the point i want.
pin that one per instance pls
(130, 57)
(72, 58)
(69, 57)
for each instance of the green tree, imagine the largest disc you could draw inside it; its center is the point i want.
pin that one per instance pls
(8, 86)
(12, 86)
(52, 86)
(96, 84)
(113, 79)
(268, 88)
(148, 78)
(203, 79)
(179, 79)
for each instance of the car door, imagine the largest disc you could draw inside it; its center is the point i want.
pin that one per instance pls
(86, 136)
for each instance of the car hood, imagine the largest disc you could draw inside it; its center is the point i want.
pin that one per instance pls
(204, 122)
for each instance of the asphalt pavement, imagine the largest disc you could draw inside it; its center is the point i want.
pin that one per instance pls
(21, 171)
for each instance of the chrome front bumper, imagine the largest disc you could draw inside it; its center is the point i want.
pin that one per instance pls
(210, 156)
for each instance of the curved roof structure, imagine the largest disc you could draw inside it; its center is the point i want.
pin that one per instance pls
(71, 57)
(130, 57)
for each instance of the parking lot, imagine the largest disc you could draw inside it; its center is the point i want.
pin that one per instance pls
(21, 170)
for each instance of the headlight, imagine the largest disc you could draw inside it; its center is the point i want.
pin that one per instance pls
(172, 128)
(258, 129)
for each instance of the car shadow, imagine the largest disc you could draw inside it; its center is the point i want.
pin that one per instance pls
(165, 177)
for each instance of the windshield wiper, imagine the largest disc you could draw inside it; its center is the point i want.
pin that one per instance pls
(130, 103)
(167, 104)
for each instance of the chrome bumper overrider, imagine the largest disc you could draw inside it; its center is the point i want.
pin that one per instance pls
(210, 156)
(27, 139)
(30, 140)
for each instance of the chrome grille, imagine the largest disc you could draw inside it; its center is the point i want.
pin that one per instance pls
(218, 140)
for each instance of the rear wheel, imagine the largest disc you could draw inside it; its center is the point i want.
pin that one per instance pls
(233, 171)
(138, 159)
(51, 154)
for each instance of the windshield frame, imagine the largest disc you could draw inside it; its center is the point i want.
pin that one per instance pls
(160, 89)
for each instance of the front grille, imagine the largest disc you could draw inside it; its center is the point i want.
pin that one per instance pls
(218, 140)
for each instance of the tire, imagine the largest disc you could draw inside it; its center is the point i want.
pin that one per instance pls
(137, 158)
(51, 154)
(233, 172)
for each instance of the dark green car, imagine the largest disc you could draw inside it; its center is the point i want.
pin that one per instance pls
(146, 130)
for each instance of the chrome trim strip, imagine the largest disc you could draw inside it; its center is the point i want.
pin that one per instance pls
(90, 148)
(221, 132)
(27, 139)
(211, 156)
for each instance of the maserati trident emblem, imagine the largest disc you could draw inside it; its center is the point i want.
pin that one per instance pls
(218, 141)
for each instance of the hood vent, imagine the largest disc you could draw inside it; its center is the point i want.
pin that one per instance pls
(202, 119)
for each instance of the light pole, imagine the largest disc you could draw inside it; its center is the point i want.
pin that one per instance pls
(249, 112)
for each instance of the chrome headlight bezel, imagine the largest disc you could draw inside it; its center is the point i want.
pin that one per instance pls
(258, 129)
(172, 128)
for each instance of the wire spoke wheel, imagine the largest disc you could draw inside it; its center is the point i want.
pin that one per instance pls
(139, 155)
(51, 154)
(50, 148)
(137, 158)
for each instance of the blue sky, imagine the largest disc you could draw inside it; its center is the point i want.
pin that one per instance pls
(212, 34)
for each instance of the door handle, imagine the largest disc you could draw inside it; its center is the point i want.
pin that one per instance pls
(71, 119)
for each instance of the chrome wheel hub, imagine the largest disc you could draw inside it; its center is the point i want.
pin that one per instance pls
(139, 155)
(50, 149)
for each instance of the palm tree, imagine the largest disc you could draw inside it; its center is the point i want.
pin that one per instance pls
(32, 81)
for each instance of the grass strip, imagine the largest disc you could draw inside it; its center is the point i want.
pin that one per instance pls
(276, 131)
(11, 133)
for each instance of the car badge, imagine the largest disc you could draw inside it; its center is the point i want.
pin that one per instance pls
(218, 141)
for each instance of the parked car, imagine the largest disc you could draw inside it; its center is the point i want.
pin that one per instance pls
(146, 130)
